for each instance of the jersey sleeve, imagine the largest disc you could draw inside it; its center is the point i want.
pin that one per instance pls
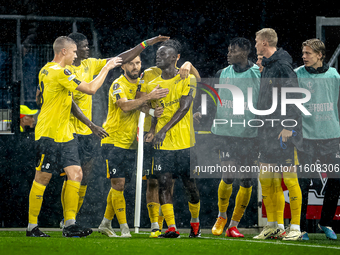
(68, 80)
(145, 79)
(189, 88)
(142, 83)
(98, 65)
(117, 92)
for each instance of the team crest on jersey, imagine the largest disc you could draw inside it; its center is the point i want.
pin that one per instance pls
(67, 72)
(115, 86)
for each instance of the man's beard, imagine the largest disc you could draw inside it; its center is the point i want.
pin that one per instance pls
(132, 76)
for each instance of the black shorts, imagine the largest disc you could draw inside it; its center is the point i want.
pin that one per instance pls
(52, 157)
(243, 151)
(177, 162)
(284, 157)
(148, 159)
(120, 163)
(85, 148)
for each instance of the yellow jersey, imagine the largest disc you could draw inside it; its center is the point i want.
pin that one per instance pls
(121, 126)
(147, 76)
(56, 85)
(182, 135)
(87, 71)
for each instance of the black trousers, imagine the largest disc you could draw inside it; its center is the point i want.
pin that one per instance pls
(323, 151)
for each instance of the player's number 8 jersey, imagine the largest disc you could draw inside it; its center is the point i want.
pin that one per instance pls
(56, 85)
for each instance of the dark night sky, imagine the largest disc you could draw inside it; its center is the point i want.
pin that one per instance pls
(204, 28)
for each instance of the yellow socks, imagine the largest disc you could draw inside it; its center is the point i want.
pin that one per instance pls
(119, 205)
(160, 218)
(71, 198)
(241, 203)
(168, 212)
(153, 209)
(266, 180)
(62, 197)
(195, 211)
(35, 202)
(82, 192)
(278, 198)
(109, 211)
(295, 196)
(224, 193)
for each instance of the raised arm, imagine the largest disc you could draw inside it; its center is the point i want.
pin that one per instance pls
(129, 105)
(129, 55)
(92, 87)
(186, 69)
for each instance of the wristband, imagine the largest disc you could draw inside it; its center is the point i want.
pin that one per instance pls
(152, 112)
(144, 44)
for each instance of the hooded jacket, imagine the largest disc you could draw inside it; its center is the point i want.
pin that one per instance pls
(278, 73)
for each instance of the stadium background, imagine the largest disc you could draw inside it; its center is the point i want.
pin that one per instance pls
(204, 29)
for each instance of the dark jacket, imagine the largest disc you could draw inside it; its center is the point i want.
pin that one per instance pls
(278, 73)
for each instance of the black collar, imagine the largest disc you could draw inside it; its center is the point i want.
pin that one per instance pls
(238, 69)
(324, 68)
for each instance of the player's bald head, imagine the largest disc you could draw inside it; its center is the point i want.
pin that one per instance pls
(62, 42)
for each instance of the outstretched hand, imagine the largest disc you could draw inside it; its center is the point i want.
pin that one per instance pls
(114, 62)
(99, 131)
(184, 70)
(157, 39)
(158, 93)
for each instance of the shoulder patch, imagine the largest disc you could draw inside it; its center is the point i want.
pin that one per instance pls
(115, 86)
(67, 72)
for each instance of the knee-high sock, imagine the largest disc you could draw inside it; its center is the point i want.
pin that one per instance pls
(82, 192)
(169, 215)
(119, 205)
(35, 202)
(224, 193)
(295, 196)
(160, 218)
(62, 196)
(266, 180)
(153, 209)
(241, 203)
(109, 211)
(195, 211)
(71, 198)
(278, 198)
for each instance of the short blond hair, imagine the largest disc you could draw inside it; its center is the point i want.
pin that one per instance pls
(62, 42)
(317, 46)
(269, 35)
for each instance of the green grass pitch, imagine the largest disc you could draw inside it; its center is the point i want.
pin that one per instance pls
(15, 242)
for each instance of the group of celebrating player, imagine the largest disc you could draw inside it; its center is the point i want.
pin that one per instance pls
(165, 93)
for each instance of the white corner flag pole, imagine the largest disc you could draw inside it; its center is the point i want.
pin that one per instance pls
(139, 175)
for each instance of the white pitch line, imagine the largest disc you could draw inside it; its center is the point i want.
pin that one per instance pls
(277, 243)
